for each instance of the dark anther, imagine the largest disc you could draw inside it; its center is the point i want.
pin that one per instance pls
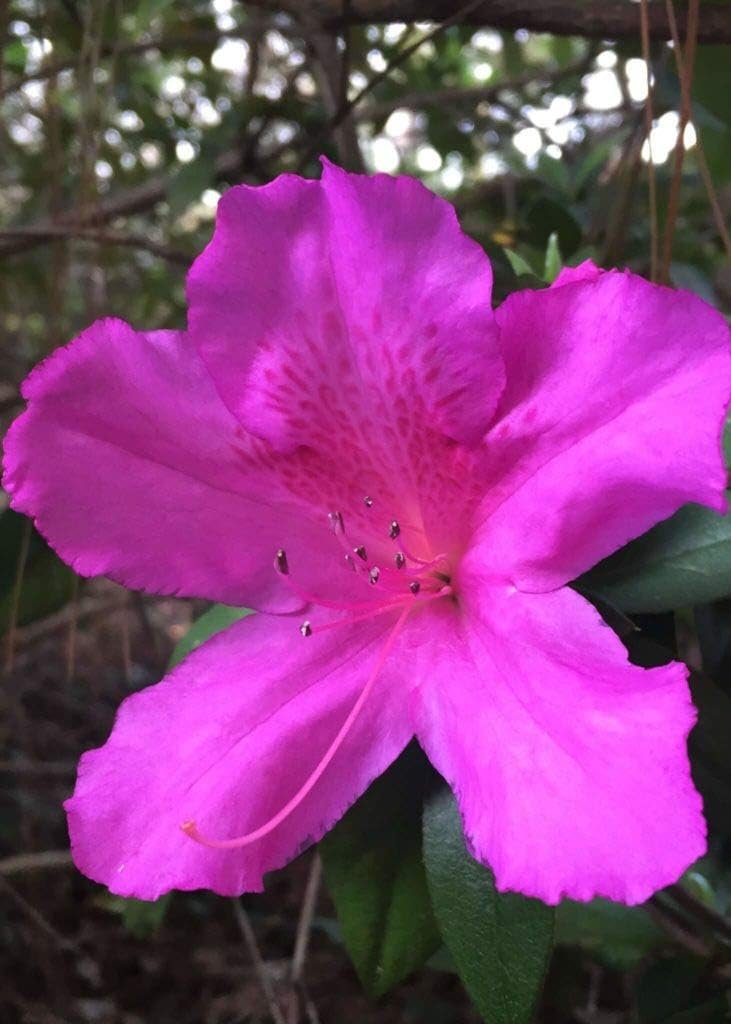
(336, 522)
(368, 502)
(394, 530)
(415, 587)
(400, 559)
(374, 575)
(306, 629)
(280, 562)
(360, 551)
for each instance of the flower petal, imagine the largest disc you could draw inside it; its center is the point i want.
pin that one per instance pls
(348, 307)
(569, 764)
(611, 420)
(227, 739)
(586, 271)
(132, 467)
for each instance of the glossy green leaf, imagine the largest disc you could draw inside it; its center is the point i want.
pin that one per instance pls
(500, 942)
(374, 871)
(215, 620)
(683, 561)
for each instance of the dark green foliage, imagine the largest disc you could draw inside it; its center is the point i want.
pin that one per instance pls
(500, 942)
(375, 875)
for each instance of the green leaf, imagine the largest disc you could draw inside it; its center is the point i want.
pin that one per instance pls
(189, 182)
(553, 262)
(500, 942)
(140, 917)
(519, 265)
(616, 935)
(46, 584)
(215, 620)
(683, 561)
(373, 869)
(708, 746)
(14, 56)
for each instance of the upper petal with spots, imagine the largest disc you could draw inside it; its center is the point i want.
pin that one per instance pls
(345, 312)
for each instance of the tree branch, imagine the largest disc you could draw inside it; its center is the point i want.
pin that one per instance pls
(599, 19)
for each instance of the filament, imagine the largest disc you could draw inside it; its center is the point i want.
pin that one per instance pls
(191, 829)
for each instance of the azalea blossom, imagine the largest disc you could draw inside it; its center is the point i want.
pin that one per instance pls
(402, 484)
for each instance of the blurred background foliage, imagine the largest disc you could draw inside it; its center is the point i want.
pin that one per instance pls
(121, 124)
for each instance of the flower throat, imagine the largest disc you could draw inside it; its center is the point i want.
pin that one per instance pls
(403, 586)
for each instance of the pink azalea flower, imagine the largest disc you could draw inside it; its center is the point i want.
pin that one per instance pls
(348, 440)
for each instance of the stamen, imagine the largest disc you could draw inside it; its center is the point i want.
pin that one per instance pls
(374, 575)
(306, 628)
(190, 827)
(415, 587)
(400, 559)
(394, 530)
(368, 501)
(280, 562)
(360, 551)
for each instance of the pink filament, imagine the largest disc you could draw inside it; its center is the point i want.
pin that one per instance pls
(414, 600)
(339, 606)
(190, 827)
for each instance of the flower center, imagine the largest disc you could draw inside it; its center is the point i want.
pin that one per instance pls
(403, 583)
(396, 578)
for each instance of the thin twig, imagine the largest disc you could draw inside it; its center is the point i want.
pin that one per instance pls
(701, 912)
(472, 94)
(22, 863)
(242, 919)
(304, 925)
(36, 917)
(41, 768)
(302, 941)
(718, 216)
(72, 631)
(72, 231)
(700, 155)
(673, 925)
(686, 64)
(59, 620)
(345, 109)
(651, 175)
(162, 43)
(15, 602)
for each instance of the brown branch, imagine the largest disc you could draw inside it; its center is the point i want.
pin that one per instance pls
(165, 44)
(37, 918)
(53, 231)
(22, 863)
(260, 968)
(599, 19)
(39, 768)
(346, 109)
(134, 200)
(686, 64)
(472, 94)
(651, 174)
